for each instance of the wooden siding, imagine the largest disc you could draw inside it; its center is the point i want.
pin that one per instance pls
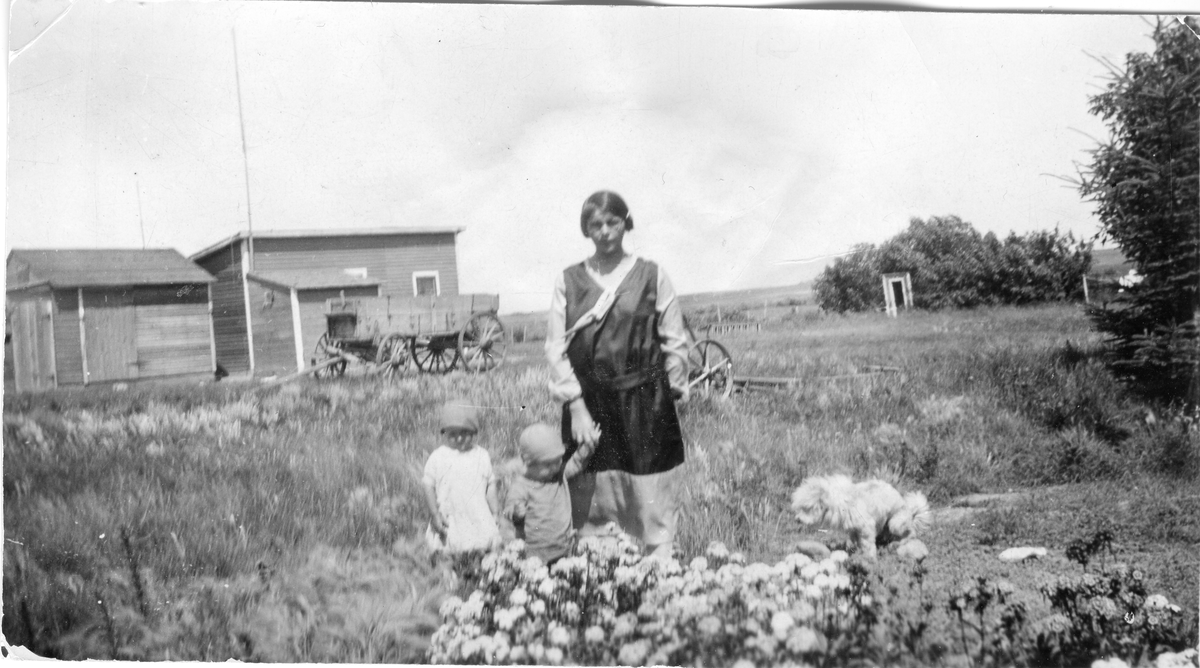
(390, 258)
(67, 351)
(312, 315)
(33, 344)
(173, 339)
(229, 310)
(274, 339)
(110, 335)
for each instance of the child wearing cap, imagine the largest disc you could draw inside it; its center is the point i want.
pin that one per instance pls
(539, 501)
(459, 485)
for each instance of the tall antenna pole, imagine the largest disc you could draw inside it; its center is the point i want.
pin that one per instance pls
(141, 223)
(245, 162)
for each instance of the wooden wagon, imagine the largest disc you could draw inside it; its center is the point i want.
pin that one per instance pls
(434, 335)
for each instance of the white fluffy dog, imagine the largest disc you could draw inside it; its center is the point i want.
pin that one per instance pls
(871, 511)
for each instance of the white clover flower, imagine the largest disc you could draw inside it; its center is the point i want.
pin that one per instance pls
(803, 611)
(698, 564)
(538, 608)
(571, 611)
(634, 653)
(717, 550)
(450, 606)
(737, 558)
(470, 611)
(514, 548)
(594, 634)
(554, 656)
(1105, 607)
(1157, 602)
(625, 575)
(547, 587)
(1176, 660)
(624, 625)
(840, 581)
(838, 556)
(802, 640)
(1114, 662)
(560, 636)
(709, 626)
(537, 652)
(518, 597)
(814, 592)
(781, 623)
(810, 570)
(489, 561)
(743, 663)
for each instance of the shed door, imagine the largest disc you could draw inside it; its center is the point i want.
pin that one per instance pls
(33, 346)
(110, 330)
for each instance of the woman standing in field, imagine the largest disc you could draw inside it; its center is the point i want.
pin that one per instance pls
(618, 359)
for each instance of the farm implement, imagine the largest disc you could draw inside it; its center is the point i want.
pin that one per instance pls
(352, 339)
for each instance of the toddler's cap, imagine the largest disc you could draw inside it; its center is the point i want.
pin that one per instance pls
(540, 442)
(459, 414)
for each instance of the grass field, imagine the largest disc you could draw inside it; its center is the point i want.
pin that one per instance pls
(283, 523)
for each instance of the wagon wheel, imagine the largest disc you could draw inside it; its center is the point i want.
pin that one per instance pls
(481, 343)
(325, 350)
(432, 355)
(710, 369)
(392, 355)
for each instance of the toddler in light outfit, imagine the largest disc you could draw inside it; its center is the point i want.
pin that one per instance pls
(539, 504)
(459, 485)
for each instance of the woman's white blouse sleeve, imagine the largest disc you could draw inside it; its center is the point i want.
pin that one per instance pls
(672, 333)
(564, 386)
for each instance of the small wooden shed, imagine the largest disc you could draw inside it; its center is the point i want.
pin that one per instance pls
(78, 317)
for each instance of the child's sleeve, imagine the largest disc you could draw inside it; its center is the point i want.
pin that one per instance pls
(579, 460)
(430, 475)
(673, 334)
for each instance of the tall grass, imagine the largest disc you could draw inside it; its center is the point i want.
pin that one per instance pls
(282, 523)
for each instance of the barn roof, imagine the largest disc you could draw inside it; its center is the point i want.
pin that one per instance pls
(331, 233)
(312, 279)
(101, 267)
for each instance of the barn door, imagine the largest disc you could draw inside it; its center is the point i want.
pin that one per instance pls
(110, 333)
(33, 346)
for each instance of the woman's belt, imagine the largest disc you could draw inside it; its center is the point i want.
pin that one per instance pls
(626, 381)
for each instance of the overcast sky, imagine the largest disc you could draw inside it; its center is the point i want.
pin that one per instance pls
(745, 140)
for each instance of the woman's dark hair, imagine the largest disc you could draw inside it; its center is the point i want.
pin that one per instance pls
(608, 202)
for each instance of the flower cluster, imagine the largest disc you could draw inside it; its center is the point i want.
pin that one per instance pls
(1106, 614)
(606, 604)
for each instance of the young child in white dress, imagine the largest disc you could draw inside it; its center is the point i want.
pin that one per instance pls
(460, 489)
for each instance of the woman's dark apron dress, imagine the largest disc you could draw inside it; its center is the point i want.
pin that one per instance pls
(621, 370)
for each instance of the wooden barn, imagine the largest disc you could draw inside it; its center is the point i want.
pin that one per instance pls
(273, 290)
(77, 317)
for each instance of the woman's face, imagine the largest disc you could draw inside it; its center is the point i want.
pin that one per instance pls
(607, 232)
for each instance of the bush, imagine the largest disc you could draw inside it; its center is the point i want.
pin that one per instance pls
(1144, 183)
(952, 266)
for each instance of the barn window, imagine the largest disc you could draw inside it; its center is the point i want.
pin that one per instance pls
(426, 283)
(356, 272)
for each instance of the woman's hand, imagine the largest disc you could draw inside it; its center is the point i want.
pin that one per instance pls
(583, 429)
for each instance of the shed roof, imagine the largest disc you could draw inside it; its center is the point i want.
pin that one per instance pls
(75, 268)
(312, 279)
(350, 232)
